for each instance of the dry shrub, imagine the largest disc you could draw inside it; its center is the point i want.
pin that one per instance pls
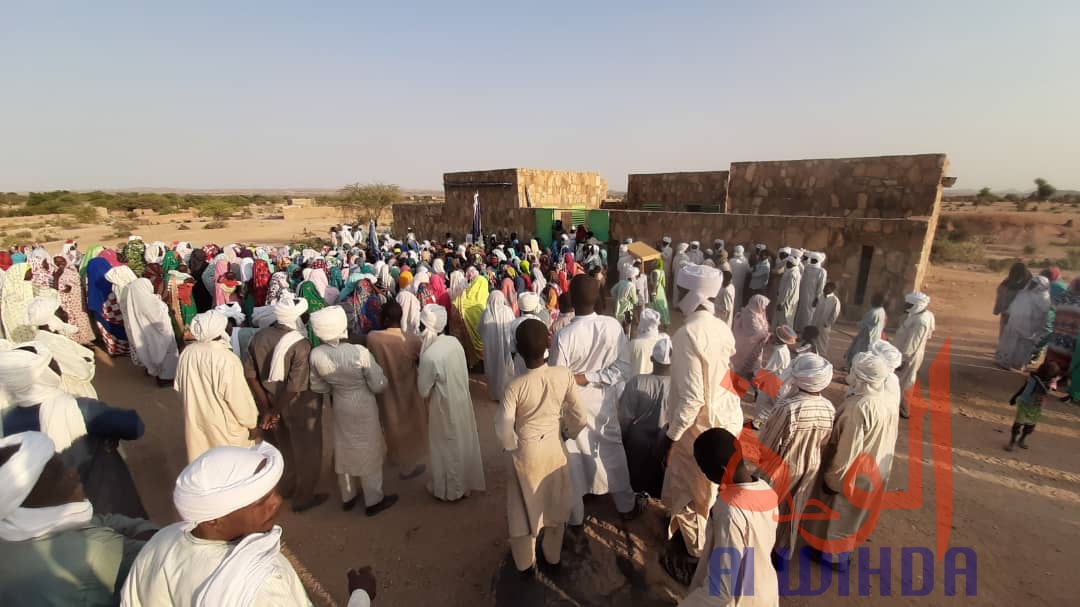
(964, 251)
(216, 225)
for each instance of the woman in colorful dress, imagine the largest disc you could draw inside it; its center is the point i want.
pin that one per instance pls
(69, 287)
(104, 308)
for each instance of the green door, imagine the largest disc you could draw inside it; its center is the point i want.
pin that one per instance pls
(544, 219)
(598, 224)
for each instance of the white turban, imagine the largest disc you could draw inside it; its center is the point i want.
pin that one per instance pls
(811, 372)
(232, 311)
(529, 302)
(223, 480)
(918, 300)
(433, 317)
(661, 352)
(120, 276)
(209, 325)
(42, 311)
(155, 252)
(870, 370)
(330, 324)
(760, 246)
(702, 284)
(649, 323)
(263, 316)
(18, 476)
(739, 250)
(784, 250)
(287, 312)
(681, 248)
(633, 273)
(888, 352)
(666, 240)
(26, 377)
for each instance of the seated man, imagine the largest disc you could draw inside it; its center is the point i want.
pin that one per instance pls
(227, 545)
(56, 551)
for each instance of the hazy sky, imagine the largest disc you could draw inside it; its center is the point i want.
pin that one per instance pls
(267, 94)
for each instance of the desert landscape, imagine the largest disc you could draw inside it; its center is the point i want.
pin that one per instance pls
(1016, 512)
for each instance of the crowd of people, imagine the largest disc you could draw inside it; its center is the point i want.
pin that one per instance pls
(602, 388)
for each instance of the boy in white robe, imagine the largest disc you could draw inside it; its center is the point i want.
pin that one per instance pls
(539, 492)
(783, 340)
(351, 376)
(226, 546)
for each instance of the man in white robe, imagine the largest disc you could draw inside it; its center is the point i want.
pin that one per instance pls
(701, 397)
(678, 262)
(725, 299)
(797, 432)
(911, 340)
(351, 376)
(787, 297)
(443, 378)
(597, 351)
(149, 330)
(77, 363)
(539, 492)
(782, 342)
(667, 254)
(740, 275)
(218, 407)
(811, 288)
(866, 424)
(893, 360)
(641, 347)
(826, 312)
(697, 256)
(226, 550)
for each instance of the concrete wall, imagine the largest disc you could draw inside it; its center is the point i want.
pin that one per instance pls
(880, 186)
(896, 267)
(676, 190)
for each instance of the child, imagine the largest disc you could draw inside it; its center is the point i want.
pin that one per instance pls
(228, 287)
(741, 530)
(540, 492)
(1028, 400)
(782, 341)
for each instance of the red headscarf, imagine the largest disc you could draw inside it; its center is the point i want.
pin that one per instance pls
(5, 260)
(260, 281)
(438, 288)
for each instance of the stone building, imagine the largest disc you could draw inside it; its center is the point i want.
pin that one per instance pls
(873, 217)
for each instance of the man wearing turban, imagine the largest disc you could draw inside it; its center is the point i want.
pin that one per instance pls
(226, 549)
(218, 407)
(911, 340)
(797, 432)
(443, 379)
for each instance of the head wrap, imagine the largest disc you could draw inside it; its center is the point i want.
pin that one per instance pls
(649, 323)
(263, 316)
(209, 325)
(433, 318)
(330, 324)
(918, 300)
(26, 377)
(811, 372)
(666, 240)
(702, 284)
(223, 480)
(786, 334)
(869, 370)
(888, 352)
(529, 302)
(738, 251)
(42, 311)
(681, 248)
(661, 352)
(287, 312)
(760, 246)
(18, 476)
(232, 311)
(1041, 282)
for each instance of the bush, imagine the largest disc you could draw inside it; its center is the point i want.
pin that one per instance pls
(123, 229)
(1029, 249)
(183, 226)
(216, 225)
(967, 251)
(219, 210)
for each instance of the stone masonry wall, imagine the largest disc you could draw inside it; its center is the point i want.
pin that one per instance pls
(676, 190)
(881, 186)
(494, 197)
(896, 267)
(560, 189)
(426, 220)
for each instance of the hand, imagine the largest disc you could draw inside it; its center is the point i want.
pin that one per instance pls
(362, 579)
(269, 421)
(581, 379)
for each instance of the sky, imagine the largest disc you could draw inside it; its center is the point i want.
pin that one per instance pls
(316, 95)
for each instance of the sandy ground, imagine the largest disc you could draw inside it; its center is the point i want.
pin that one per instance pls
(1016, 511)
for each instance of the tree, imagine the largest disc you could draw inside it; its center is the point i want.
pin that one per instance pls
(1043, 189)
(985, 196)
(367, 200)
(217, 210)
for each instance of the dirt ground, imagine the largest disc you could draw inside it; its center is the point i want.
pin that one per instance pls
(1016, 511)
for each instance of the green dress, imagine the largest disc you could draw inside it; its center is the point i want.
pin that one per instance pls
(315, 303)
(659, 297)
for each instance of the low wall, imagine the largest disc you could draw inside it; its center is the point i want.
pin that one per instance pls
(674, 191)
(880, 186)
(429, 221)
(898, 253)
(560, 189)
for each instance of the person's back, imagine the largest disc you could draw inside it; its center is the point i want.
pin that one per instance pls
(448, 356)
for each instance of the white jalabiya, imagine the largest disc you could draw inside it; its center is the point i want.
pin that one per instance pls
(700, 398)
(443, 379)
(787, 298)
(17, 479)
(678, 262)
(866, 424)
(740, 271)
(496, 325)
(825, 315)
(596, 347)
(725, 304)
(811, 288)
(149, 329)
(1027, 323)
(410, 312)
(911, 339)
(777, 363)
(641, 347)
(28, 381)
(350, 374)
(77, 363)
(218, 407)
(15, 295)
(743, 520)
